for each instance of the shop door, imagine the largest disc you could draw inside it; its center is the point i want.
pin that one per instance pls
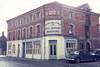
(53, 49)
(23, 50)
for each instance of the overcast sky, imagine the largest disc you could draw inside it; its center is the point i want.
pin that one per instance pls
(13, 8)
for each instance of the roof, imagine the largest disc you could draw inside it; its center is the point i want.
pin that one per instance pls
(81, 7)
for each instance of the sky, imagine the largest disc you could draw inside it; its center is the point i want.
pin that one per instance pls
(13, 8)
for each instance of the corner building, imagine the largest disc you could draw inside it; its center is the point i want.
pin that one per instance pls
(52, 31)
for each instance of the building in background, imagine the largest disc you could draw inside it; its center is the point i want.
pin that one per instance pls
(52, 31)
(3, 44)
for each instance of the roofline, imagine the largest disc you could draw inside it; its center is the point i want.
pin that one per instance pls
(62, 5)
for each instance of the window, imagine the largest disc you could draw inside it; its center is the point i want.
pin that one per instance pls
(18, 34)
(9, 48)
(30, 18)
(24, 20)
(13, 35)
(30, 32)
(87, 32)
(38, 30)
(70, 29)
(13, 48)
(37, 47)
(28, 47)
(38, 15)
(34, 17)
(70, 45)
(24, 33)
(9, 35)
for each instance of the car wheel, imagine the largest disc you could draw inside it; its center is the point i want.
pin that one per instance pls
(77, 60)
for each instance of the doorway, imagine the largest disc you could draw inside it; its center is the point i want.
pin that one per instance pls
(23, 50)
(53, 49)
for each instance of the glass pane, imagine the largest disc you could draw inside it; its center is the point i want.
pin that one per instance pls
(54, 49)
(50, 49)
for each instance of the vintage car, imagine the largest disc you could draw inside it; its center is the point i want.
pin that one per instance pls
(81, 55)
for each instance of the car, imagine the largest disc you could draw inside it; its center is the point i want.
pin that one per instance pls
(96, 53)
(81, 55)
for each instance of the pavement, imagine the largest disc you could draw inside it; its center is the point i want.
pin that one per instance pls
(22, 62)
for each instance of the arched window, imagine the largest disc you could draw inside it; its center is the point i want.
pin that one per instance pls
(24, 33)
(18, 34)
(13, 35)
(30, 32)
(38, 30)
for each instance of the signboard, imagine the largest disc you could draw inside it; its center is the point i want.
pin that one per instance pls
(53, 27)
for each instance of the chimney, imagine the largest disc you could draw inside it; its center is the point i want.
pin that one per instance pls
(2, 33)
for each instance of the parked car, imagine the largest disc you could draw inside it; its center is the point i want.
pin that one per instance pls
(81, 55)
(96, 53)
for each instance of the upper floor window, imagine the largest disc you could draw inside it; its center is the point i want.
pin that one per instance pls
(24, 33)
(9, 35)
(14, 35)
(38, 30)
(30, 32)
(30, 18)
(18, 34)
(38, 13)
(70, 29)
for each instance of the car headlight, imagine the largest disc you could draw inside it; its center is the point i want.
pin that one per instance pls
(93, 54)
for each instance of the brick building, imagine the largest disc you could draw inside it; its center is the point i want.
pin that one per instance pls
(52, 31)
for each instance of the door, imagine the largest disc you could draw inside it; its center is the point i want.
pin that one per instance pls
(23, 50)
(53, 49)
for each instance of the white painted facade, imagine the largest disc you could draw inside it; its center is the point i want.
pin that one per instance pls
(32, 55)
(59, 46)
(18, 50)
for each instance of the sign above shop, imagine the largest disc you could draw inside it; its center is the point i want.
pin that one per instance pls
(53, 27)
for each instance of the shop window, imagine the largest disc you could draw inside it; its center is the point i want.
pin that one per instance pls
(9, 48)
(70, 45)
(14, 48)
(28, 47)
(37, 48)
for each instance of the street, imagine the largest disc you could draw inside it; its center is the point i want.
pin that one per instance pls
(19, 62)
